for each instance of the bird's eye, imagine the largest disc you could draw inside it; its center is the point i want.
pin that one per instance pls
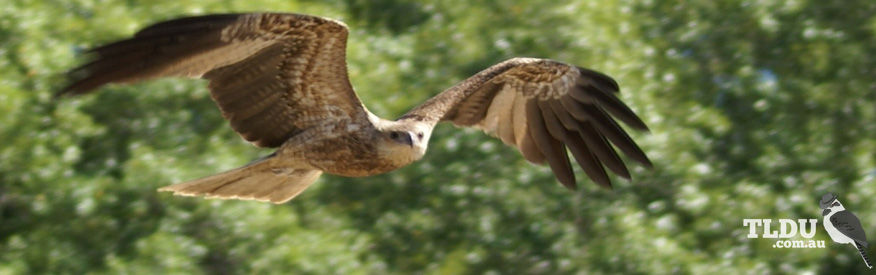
(420, 135)
(393, 135)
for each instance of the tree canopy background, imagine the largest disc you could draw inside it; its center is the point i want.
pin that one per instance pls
(756, 109)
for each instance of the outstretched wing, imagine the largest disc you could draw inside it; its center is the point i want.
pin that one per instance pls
(848, 224)
(541, 107)
(272, 75)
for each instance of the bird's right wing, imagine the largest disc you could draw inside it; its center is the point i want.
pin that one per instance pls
(849, 225)
(272, 75)
(541, 107)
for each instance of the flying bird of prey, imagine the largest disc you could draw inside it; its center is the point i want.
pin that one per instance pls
(281, 80)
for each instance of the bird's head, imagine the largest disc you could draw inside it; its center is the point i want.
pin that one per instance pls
(830, 204)
(403, 141)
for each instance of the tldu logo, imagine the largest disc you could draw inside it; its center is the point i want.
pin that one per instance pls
(787, 229)
(842, 226)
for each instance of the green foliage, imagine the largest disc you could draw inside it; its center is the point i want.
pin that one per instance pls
(756, 108)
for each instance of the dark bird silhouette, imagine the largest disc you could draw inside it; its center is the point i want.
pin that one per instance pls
(843, 226)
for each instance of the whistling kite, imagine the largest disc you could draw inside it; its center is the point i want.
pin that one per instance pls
(281, 80)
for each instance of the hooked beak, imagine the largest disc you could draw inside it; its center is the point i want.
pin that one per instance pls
(403, 138)
(409, 139)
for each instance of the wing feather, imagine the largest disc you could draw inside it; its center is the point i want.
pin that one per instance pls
(499, 116)
(613, 105)
(542, 107)
(518, 116)
(613, 132)
(586, 159)
(542, 140)
(472, 111)
(602, 149)
(525, 138)
(561, 166)
(606, 126)
(563, 115)
(249, 128)
(597, 143)
(270, 73)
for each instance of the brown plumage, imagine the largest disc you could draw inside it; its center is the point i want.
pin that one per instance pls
(281, 81)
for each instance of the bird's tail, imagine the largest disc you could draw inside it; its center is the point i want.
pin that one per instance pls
(262, 180)
(863, 252)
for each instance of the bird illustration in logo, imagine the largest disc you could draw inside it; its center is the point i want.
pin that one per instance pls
(843, 226)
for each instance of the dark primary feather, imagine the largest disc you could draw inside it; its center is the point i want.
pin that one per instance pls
(586, 151)
(577, 114)
(609, 101)
(150, 51)
(189, 24)
(553, 150)
(561, 166)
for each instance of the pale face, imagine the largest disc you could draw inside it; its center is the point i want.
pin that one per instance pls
(403, 143)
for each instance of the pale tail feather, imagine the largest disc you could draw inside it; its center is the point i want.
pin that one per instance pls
(258, 181)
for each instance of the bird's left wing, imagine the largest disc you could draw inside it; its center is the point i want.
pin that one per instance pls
(272, 75)
(848, 224)
(541, 107)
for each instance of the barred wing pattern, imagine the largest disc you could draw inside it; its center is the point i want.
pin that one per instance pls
(542, 107)
(272, 75)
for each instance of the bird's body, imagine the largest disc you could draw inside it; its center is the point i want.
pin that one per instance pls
(281, 81)
(355, 150)
(835, 234)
